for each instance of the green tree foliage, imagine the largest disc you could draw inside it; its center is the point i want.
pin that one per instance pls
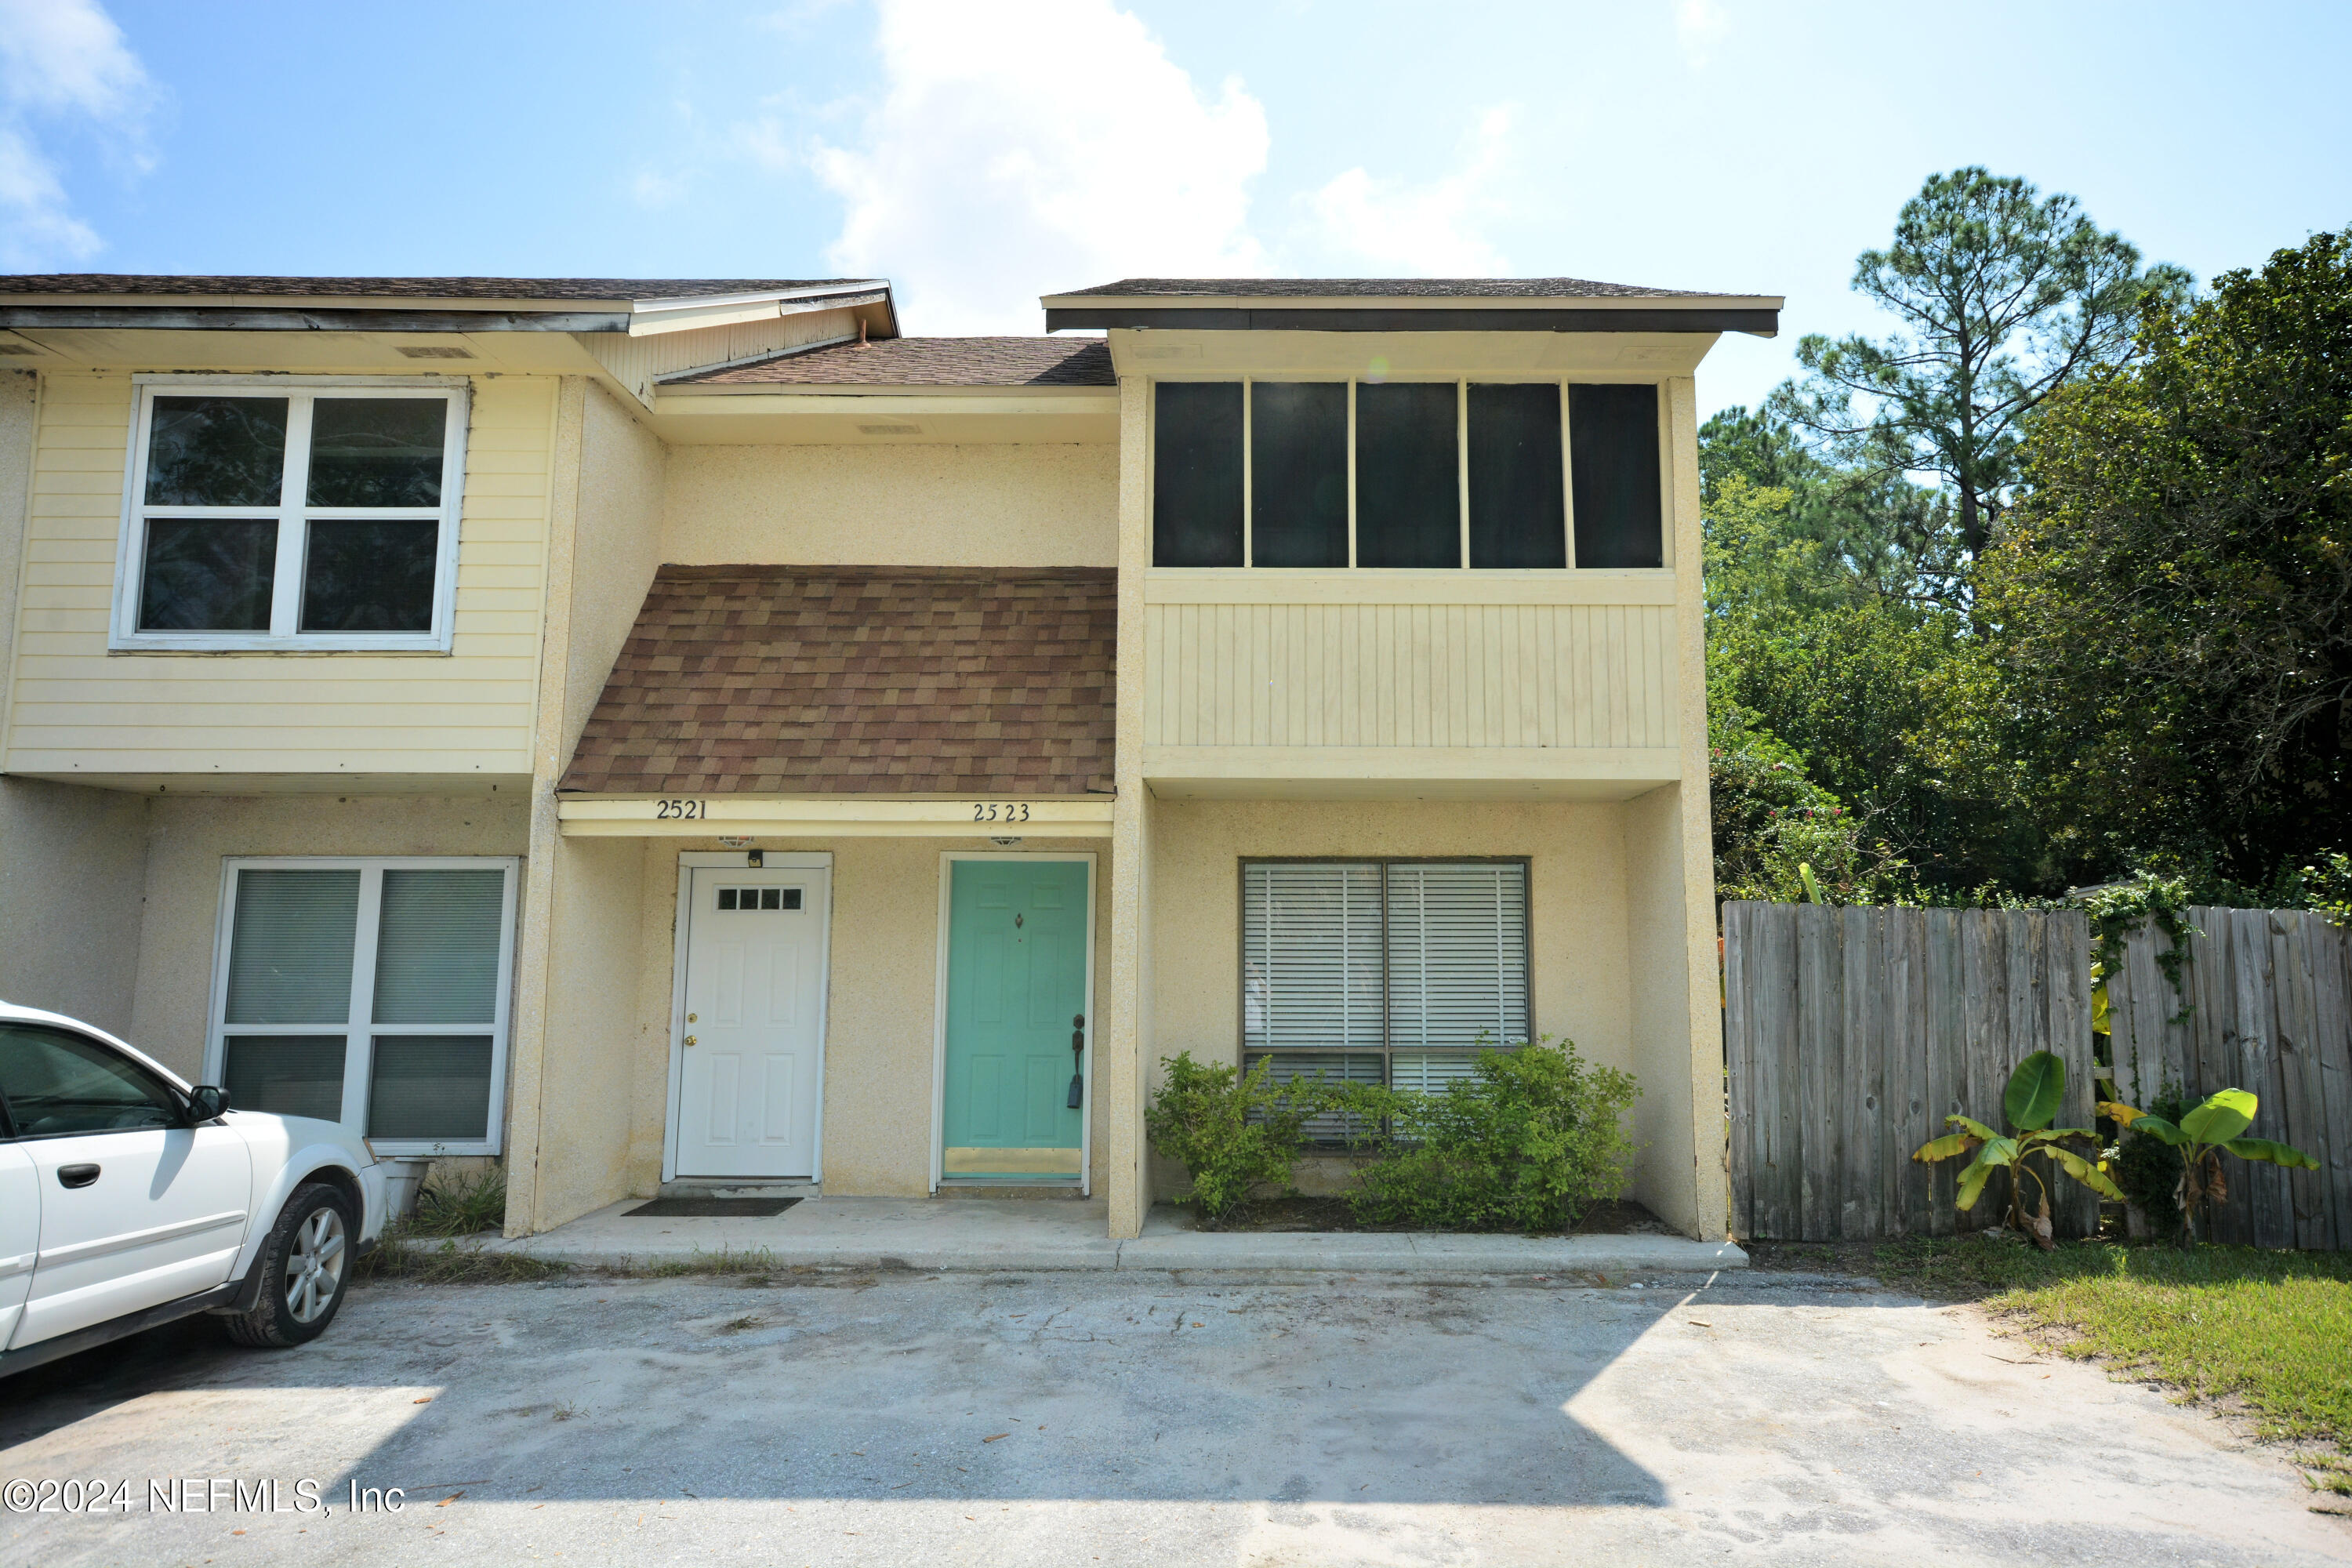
(2003, 296)
(2167, 620)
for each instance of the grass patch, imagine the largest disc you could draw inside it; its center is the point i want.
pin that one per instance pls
(2267, 1328)
(402, 1256)
(757, 1260)
(460, 1207)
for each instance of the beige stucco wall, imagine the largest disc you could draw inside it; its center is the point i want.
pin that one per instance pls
(893, 506)
(617, 541)
(1608, 958)
(584, 1097)
(1668, 1179)
(189, 835)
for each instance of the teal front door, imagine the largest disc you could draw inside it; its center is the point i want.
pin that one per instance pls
(1017, 995)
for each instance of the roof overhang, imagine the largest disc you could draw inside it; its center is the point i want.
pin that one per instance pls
(1758, 314)
(317, 313)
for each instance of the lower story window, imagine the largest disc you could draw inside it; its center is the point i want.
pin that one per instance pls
(1383, 971)
(369, 991)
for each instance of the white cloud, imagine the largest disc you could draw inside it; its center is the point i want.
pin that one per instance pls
(1699, 26)
(1388, 227)
(1014, 152)
(60, 60)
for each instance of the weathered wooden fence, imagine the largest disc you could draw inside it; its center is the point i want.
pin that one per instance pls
(2265, 1003)
(1851, 1032)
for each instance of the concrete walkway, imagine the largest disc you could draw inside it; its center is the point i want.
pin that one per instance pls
(960, 1234)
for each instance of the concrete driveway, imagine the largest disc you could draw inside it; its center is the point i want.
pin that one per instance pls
(1134, 1417)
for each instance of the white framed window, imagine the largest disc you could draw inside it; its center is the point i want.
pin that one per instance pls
(372, 992)
(291, 514)
(1393, 972)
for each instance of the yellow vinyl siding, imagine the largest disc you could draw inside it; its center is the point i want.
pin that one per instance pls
(80, 711)
(1336, 667)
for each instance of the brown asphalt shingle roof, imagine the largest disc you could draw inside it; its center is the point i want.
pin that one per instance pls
(112, 283)
(927, 362)
(1376, 289)
(859, 680)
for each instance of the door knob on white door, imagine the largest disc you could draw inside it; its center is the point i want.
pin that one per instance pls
(689, 1040)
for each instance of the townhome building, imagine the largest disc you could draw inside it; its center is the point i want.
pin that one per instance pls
(669, 733)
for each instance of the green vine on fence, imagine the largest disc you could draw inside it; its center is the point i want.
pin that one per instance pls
(2119, 911)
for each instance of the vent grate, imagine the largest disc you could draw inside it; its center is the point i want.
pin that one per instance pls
(890, 429)
(434, 351)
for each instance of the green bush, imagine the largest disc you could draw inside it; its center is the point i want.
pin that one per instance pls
(2148, 1170)
(462, 1207)
(1232, 1134)
(1527, 1144)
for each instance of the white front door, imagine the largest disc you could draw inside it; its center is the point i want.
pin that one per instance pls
(748, 1047)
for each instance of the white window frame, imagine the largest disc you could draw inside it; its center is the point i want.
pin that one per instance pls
(292, 515)
(360, 1027)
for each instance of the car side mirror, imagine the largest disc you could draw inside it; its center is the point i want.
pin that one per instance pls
(207, 1101)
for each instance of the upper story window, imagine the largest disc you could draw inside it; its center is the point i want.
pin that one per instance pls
(1415, 474)
(292, 514)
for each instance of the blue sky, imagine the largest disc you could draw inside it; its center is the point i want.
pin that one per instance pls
(983, 154)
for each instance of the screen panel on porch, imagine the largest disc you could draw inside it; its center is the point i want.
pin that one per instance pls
(1372, 972)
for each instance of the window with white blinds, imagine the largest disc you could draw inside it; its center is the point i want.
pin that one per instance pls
(372, 992)
(1395, 972)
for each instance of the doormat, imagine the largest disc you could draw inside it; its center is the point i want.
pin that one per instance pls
(710, 1208)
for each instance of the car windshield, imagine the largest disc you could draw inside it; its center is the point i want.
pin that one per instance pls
(56, 1083)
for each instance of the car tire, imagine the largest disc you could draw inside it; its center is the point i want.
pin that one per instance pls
(305, 1265)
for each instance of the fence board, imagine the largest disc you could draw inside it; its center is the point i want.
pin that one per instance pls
(1819, 1060)
(1946, 1055)
(1911, 1118)
(2307, 1120)
(1862, 1208)
(1739, 1069)
(2331, 997)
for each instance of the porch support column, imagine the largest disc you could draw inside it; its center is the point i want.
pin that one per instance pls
(1125, 1044)
(535, 922)
(1710, 1131)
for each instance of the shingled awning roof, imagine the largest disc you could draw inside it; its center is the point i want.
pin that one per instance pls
(924, 362)
(859, 680)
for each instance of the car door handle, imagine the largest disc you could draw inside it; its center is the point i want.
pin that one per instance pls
(76, 1175)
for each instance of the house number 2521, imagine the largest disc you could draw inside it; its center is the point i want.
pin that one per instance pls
(682, 810)
(1001, 811)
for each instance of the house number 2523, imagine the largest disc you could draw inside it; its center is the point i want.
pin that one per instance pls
(1001, 811)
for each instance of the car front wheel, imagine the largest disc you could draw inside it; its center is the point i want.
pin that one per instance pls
(305, 1264)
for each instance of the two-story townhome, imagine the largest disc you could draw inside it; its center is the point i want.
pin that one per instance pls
(674, 733)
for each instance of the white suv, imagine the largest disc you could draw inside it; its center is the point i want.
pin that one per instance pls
(129, 1198)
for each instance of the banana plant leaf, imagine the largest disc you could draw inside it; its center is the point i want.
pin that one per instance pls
(2276, 1153)
(2222, 1117)
(1994, 1156)
(2036, 1089)
(1944, 1148)
(1977, 1127)
(2156, 1127)
(2090, 1176)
